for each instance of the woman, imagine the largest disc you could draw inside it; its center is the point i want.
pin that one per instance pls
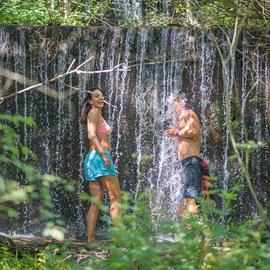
(98, 166)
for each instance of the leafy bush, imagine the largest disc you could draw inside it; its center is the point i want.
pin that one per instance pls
(194, 242)
(23, 261)
(109, 12)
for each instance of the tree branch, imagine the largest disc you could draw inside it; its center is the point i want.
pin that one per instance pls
(51, 92)
(43, 87)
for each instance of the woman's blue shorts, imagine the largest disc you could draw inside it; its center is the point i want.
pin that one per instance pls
(94, 166)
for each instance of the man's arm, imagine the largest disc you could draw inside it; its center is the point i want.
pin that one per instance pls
(189, 126)
(171, 132)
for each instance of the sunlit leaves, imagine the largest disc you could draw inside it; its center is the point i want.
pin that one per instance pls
(16, 196)
(209, 13)
(18, 119)
(54, 231)
(250, 146)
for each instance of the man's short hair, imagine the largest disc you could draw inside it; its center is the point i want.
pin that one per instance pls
(182, 98)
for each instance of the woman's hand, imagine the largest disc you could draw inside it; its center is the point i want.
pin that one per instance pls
(106, 160)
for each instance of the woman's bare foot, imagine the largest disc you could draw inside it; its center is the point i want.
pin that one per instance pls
(91, 240)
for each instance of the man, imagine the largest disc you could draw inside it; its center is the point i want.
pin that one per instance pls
(187, 132)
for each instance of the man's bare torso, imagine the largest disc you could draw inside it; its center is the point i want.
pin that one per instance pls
(189, 144)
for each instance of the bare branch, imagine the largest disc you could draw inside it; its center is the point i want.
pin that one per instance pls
(71, 65)
(247, 95)
(46, 90)
(104, 70)
(23, 80)
(40, 86)
(83, 63)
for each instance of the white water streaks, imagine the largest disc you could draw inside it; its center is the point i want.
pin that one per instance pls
(140, 104)
(207, 70)
(131, 9)
(123, 79)
(163, 63)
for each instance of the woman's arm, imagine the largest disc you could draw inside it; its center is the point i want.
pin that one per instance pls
(92, 123)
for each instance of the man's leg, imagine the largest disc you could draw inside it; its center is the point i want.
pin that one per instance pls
(192, 184)
(191, 206)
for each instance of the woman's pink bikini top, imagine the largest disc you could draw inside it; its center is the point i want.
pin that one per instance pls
(104, 129)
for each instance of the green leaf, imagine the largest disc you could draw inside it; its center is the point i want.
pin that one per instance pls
(46, 214)
(12, 213)
(16, 196)
(55, 232)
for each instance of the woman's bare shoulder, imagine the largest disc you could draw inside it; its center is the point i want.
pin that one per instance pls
(93, 114)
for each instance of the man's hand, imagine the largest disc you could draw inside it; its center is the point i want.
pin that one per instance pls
(171, 132)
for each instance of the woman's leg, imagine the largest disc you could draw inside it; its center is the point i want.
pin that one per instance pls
(111, 184)
(96, 192)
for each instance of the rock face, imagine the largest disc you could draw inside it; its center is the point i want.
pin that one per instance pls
(162, 63)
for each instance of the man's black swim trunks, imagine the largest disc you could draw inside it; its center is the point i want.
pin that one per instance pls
(192, 171)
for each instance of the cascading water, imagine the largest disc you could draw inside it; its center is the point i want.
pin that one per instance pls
(122, 94)
(168, 184)
(228, 83)
(166, 7)
(207, 70)
(131, 9)
(162, 63)
(257, 127)
(140, 103)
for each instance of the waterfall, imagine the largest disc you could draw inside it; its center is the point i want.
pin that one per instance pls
(257, 128)
(228, 85)
(111, 80)
(207, 71)
(100, 64)
(20, 68)
(266, 93)
(168, 194)
(244, 96)
(166, 7)
(140, 103)
(161, 63)
(131, 9)
(122, 94)
(83, 53)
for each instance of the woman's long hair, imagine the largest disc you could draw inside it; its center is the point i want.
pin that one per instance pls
(86, 105)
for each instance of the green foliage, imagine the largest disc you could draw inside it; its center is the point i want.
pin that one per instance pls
(53, 12)
(27, 12)
(40, 261)
(209, 13)
(139, 241)
(250, 146)
(192, 242)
